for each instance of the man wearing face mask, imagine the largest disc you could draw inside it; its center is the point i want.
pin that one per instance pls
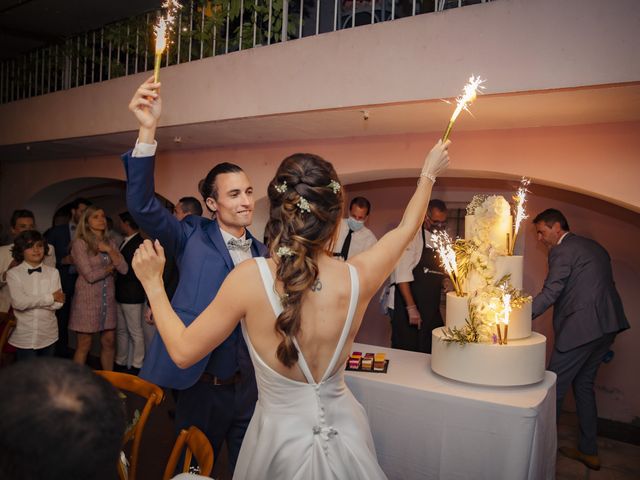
(353, 236)
(418, 281)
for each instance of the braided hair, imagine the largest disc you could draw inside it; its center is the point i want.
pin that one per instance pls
(306, 207)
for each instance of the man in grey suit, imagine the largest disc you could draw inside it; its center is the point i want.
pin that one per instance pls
(587, 315)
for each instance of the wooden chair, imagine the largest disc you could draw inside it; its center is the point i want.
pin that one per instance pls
(142, 388)
(7, 323)
(198, 446)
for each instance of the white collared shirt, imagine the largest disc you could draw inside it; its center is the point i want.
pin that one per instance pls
(144, 149)
(33, 305)
(403, 273)
(238, 256)
(126, 240)
(5, 261)
(562, 238)
(361, 240)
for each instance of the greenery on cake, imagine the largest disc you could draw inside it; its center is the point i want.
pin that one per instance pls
(472, 332)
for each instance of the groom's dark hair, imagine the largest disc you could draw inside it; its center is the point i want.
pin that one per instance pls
(551, 216)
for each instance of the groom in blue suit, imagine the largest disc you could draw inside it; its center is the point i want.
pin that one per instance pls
(217, 394)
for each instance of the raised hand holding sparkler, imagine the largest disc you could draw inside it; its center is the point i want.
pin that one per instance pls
(469, 94)
(146, 105)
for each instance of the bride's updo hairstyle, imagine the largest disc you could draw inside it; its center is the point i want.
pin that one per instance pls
(306, 206)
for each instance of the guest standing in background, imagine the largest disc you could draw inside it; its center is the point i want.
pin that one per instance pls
(60, 236)
(587, 316)
(35, 293)
(21, 221)
(418, 286)
(131, 302)
(93, 308)
(353, 236)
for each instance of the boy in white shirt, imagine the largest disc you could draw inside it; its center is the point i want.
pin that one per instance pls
(35, 295)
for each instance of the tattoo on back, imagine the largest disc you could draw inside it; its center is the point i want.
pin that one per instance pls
(317, 285)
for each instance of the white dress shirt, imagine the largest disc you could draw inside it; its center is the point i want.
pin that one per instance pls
(5, 261)
(360, 240)
(33, 305)
(562, 238)
(126, 240)
(238, 256)
(403, 273)
(144, 149)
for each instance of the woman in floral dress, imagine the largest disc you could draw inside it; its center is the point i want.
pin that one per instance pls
(93, 309)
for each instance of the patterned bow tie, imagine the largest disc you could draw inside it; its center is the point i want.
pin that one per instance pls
(242, 245)
(31, 270)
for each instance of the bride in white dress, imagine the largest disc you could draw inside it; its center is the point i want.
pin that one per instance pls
(300, 311)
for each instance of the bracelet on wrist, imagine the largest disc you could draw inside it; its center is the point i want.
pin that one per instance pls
(428, 176)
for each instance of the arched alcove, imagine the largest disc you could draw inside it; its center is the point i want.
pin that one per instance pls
(108, 193)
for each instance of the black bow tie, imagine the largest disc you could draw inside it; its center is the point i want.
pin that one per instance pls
(31, 270)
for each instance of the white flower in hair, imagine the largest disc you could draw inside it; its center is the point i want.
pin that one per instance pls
(281, 188)
(284, 251)
(335, 186)
(304, 205)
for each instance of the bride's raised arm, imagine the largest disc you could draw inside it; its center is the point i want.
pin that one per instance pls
(376, 263)
(187, 345)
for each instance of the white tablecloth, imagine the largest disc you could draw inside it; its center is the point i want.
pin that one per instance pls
(429, 427)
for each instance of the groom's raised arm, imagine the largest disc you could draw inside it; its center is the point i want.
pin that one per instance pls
(139, 163)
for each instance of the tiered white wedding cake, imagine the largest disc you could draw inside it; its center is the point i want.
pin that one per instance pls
(487, 339)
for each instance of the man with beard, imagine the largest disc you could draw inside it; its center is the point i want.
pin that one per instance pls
(418, 282)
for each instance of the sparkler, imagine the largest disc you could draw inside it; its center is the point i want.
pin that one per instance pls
(161, 30)
(503, 333)
(469, 94)
(444, 247)
(519, 200)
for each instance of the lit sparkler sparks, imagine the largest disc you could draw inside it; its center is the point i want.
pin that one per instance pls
(161, 30)
(519, 200)
(469, 94)
(444, 247)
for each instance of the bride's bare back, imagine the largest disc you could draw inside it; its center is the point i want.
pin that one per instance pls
(323, 314)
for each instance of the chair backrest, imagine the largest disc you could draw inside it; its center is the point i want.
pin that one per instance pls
(142, 388)
(198, 446)
(7, 326)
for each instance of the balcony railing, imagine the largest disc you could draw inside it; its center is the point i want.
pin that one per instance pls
(204, 28)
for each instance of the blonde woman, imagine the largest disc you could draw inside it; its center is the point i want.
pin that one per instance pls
(93, 308)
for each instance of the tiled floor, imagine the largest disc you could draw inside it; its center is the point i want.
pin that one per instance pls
(620, 461)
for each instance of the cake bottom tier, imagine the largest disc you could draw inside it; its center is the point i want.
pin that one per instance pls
(520, 362)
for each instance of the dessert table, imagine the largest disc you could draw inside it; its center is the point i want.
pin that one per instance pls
(429, 427)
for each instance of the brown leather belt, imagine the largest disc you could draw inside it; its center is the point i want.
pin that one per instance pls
(213, 380)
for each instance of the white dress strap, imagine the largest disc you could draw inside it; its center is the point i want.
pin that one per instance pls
(267, 281)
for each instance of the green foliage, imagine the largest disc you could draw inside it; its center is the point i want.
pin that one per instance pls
(470, 333)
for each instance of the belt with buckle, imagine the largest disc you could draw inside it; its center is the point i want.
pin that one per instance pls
(214, 380)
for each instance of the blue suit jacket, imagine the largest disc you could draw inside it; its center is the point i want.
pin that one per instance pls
(203, 262)
(60, 237)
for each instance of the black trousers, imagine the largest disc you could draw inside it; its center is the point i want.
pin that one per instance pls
(222, 412)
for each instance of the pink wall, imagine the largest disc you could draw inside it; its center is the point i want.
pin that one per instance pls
(617, 229)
